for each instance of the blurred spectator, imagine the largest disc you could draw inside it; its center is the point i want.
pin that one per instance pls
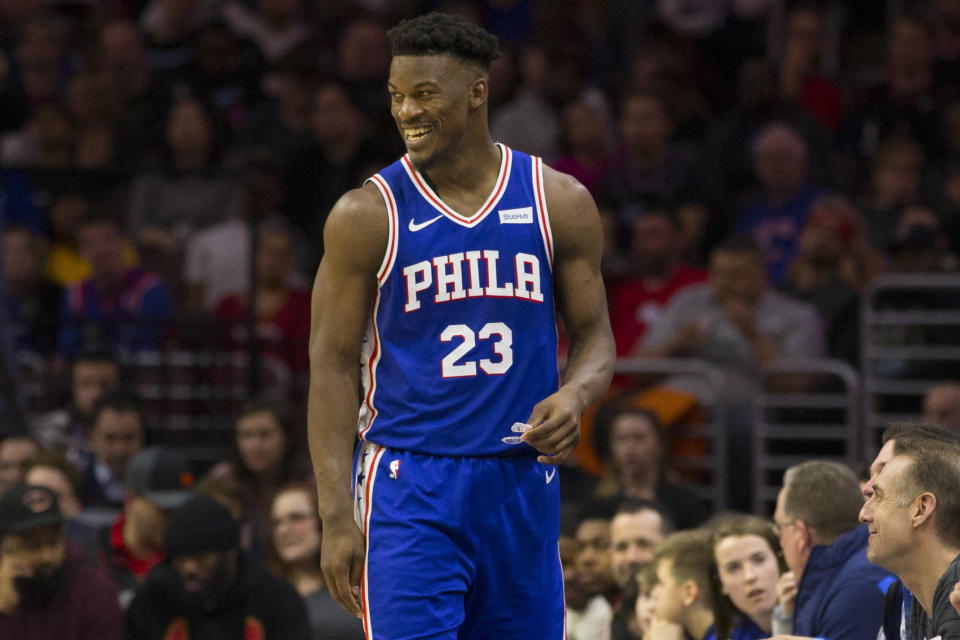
(14, 453)
(682, 598)
(265, 457)
(91, 374)
(728, 165)
(46, 590)
(294, 555)
(363, 63)
(217, 259)
(276, 27)
(667, 69)
(592, 575)
(635, 530)
(631, 441)
(282, 122)
(775, 219)
(941, 404)
(586, 139)
(189, 194)
(208, 588)
(528, 122)
(41, 57)
(116, 435)
(816, 517)
(45, 143)
(126, 304)
(735, 321)
(92, 104)
(65, 264)
(649, 167)
(919, 244)
(33, 301)
(906, 102)
(52, 470)
(144, 96)
(158, 480)
(801, 77)
(225, 72)
(281, 307)
(167, 26)
(896, 182)
(747, 565)
(339, 157)
(656, 274)
(817, 276)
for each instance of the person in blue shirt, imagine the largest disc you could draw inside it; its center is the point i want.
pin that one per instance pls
(682, 597)
(116, 307)
(747, 566)
(840, 594)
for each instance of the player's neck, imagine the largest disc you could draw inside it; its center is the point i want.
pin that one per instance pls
(473, 169)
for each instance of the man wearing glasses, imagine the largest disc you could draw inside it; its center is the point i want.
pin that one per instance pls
(839, 593)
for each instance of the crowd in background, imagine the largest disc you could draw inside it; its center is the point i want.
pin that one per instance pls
(755, 163)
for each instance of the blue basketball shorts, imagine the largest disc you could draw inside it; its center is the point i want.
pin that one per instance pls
(458, 547)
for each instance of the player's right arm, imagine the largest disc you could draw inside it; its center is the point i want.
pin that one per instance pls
(355, 238)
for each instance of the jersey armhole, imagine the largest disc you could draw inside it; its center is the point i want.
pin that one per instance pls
(543, 216)
(390, 254)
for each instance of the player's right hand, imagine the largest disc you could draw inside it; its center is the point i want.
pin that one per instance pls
(342, 549)
(787, 592)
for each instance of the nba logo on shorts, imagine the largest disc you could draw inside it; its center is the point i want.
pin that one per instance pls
(394, 469)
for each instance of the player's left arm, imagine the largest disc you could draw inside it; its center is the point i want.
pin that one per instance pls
(578, 286)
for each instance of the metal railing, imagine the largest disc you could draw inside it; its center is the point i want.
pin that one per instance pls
(910, 342)
(807, 408)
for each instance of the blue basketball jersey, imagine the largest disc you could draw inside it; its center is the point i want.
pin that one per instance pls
(462, 338)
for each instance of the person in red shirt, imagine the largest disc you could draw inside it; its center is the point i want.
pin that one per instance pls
(657, 274)
(158, 480)
(282, 304)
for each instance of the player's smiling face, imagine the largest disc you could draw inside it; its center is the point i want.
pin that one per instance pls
(431, 99)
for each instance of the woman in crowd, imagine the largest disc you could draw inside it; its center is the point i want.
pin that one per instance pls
(294, 554)
(748, 564)
(632, 442)
(264, 459)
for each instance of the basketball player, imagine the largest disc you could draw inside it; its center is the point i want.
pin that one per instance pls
(441, 276)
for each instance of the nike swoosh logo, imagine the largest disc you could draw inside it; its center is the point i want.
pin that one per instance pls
(549, 474)
(413, 226)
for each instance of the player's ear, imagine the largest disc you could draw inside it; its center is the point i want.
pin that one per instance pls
(479, 91)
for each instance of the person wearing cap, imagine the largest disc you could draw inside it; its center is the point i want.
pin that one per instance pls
(207, 587)
(158, 480)
(46, 590)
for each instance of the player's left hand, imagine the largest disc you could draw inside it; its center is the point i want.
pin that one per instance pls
(556, 426)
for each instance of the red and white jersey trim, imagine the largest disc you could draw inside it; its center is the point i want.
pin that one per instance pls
(368, 467)
(543, 217)
(506, 161)
(370, 352)
(390, 255)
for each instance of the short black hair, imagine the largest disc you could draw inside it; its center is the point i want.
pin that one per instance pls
(122, 402)
(598, 509)
(740, 245)
(440, 33)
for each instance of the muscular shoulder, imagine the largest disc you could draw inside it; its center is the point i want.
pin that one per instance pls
(573, 214)
(356, 229)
